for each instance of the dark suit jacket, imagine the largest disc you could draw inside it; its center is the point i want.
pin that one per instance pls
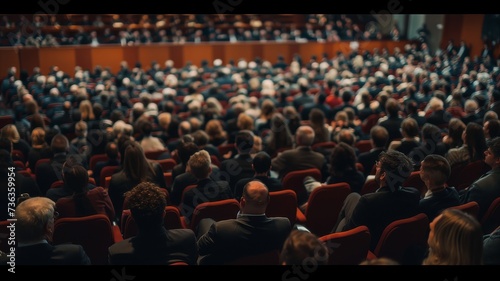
(48, 173)
(207, 190)
(120, 184)
(178, 185)
(300, 158)
(96, 173)
(247, 235)
(438, 201)
(99, 199)
(46, 254)
(237, 168)
(160, 247)
(378, 209)
(483, 191)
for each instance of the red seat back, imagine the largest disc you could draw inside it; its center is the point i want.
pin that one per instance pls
(348, 247)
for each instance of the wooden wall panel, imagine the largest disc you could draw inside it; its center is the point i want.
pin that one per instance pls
(108, 57)
(236, 52)
(83, 58)
(472, 33)
(131, 56)
(29, 58)
(9, 58)
(64, 58)
(158, 53)
(271, 51)
(195, 53)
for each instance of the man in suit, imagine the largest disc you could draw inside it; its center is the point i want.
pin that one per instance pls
(251, 233)
(207, 189)
(48, 173)
(434, 172)
(34, 229)
(302, 157)
(239, 166)
(378, 138)
(261, 164)
(485, 189)
(113, 160)
(390, 202)
(495, 101)
(153, 244)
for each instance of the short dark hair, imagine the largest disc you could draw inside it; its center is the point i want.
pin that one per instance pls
(261, 162)
(438, 168)
(397, 167)
(494, 145)
(379, 136)
(59, 144)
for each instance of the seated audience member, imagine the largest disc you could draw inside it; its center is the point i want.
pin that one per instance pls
(342, 169)
(240, 165)
(226, 240)
(34, 229)
(66, 190)
(472, 149)
(207, 189)
(431, 144)
(301, 157)
(485, 189)
(113, 160)
(491, 129)
(39, 148)
(153, 244)
(434, 172)
(261, 163)
(410, 140)
(22, 184)
(136, 169)
(455, 238)
(149, 142)
(303, 248)
(390, 202)
(48, 173)
(491, 248)
(184, 151)
(83, 201)
(378, 139)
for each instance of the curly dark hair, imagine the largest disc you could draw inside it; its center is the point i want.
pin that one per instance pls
(147, 203)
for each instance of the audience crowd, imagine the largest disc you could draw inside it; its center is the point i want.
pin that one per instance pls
(235, 132)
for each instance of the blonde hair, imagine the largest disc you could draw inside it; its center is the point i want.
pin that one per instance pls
(38, 136)
(457, 240)
(86, 110)
(10, 132)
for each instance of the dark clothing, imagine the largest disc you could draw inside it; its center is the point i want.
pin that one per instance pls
(46, 254)
(433, 204)
(228, 240)
(483, 191)
(160, 247)
(235, 169)
(354, 178)
(367, 159)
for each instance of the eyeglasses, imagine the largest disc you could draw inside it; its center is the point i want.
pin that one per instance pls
(377, 163)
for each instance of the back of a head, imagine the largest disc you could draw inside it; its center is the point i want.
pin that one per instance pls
(457, 239)
(33, 215)
(303, 248)
(379, 136)
(59, 144)
(346, 136)
(75, 176)
(200, 137)
(147, 204)
(304, 136)
(431, 132)
(112, 150)
(200, 164)
(409, 127)
(185, 150)
(255, 197)
(397, 167)
(437, 168)
(244, 141)
(261, 162)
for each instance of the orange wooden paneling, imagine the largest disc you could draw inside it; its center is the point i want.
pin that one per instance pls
(83, 58)
(131, 56)
(195, 53)
(158, 53)
(62, 57)
(29, 58)
(472, 33)
(271, 51)
(237, 51)
(107, 57)
(8, 58)
(307, 50)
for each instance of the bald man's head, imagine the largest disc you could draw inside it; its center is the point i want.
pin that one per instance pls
(255, 198)
(304, 136)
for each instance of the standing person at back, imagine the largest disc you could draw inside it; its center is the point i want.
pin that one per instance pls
(390, 202)
(251, 233)
(34, 229)
(153, 245)
(301, 157)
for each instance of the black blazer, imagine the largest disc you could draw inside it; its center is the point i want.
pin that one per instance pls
(46, 254)
(377, 210)
(247, 235)
(159, 247)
